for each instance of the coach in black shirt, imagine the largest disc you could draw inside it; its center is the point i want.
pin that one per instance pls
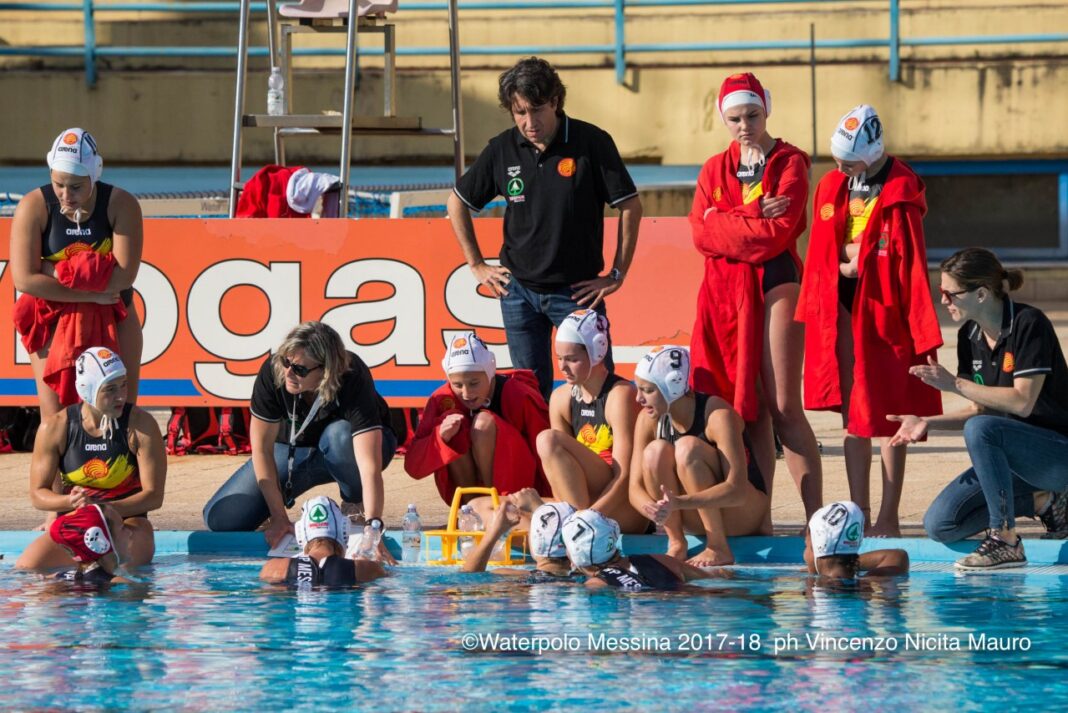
(1011, 368)
(556, 174)
(316, 419)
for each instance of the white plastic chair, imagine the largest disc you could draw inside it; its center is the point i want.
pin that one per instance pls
(336, 8)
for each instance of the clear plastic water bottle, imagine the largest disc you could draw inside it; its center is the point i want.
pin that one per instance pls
(412, 535)
(372, 535)
(276, 97)
(469, 521)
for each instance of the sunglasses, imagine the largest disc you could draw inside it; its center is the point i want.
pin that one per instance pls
(299, 369)
(951, 295)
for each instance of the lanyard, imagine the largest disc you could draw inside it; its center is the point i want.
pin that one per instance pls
(294, 434)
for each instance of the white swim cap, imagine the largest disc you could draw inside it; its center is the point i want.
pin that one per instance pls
(669, 368)
(96, 367)
(859, 136)
(588, 328)
(591, 538)
(547, 529)
(321, 517)
(74, 152)
(468, 352)
(837, 529)
(305, 188)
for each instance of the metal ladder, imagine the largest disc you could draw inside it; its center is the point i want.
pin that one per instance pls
(289, 124)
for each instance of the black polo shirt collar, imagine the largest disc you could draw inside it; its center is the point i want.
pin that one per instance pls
(1008, 318)
(563, 132)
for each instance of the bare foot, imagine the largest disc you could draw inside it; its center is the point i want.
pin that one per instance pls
(709, 557)
(880, 530)
(677, 549)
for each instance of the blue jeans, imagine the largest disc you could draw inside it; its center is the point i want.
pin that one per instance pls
(529, 318)
(1011, 461)
(239, 505)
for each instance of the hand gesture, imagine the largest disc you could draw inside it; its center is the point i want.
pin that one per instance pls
(102, 298)
(659, 511)
(450, 426)
(527, 499)
(78, 497)
(912, 430)
(276, 530)
(504, 519)
(384, 555)
(774, 206)
(590, 293)
(493, 276)
(935, 375)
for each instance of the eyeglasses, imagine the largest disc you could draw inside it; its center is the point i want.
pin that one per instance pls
(951, 295)
(299, 369)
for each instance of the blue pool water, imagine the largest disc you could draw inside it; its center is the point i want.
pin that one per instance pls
(204, 634)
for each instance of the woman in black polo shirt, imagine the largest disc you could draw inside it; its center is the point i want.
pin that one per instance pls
(316, 418)
(1011, 367)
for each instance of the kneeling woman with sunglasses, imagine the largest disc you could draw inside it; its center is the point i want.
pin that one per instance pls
(1011, 369)
(316, 418)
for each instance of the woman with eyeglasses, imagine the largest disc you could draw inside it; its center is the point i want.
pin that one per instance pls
(1011, 368)
(316, 419)
(867, 308)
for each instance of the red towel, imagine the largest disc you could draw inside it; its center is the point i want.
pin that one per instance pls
(72, 327)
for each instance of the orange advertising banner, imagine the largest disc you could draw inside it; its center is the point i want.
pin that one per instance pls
(216, 296)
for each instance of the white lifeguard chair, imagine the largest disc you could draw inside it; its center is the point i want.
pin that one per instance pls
(333, 16)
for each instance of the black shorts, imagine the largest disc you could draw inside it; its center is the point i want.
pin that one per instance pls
(847, 291)
(780, 270)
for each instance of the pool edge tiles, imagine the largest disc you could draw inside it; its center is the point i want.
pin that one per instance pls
(747, 550)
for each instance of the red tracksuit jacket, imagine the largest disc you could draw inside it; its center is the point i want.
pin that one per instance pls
(728, 335)
(520, 413)
(893, 317)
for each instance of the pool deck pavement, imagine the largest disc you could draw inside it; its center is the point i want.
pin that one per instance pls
(192, 479)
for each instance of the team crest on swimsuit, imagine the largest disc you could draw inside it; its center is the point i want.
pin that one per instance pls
(95, 468)
(75, 248)
(827, 211)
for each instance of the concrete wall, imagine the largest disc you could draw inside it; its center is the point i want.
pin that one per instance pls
(989, 100)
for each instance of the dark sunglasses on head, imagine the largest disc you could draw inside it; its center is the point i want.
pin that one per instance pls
(951, 295)
(299, 369)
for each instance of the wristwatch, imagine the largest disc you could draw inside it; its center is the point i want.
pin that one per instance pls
(615, 275)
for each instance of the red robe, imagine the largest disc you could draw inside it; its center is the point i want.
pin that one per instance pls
(72, 327)
(893, 317)
(264, 196)
(728, 336)
(523, 415)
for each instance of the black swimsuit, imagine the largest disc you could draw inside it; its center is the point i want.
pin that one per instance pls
(665, 430)
(334, 571)
(781, 269)
(588, 420)
(105, 467)
(94, 576)
(62, 236)
(645, 573)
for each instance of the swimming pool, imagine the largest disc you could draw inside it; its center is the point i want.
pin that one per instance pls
(204, 634)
